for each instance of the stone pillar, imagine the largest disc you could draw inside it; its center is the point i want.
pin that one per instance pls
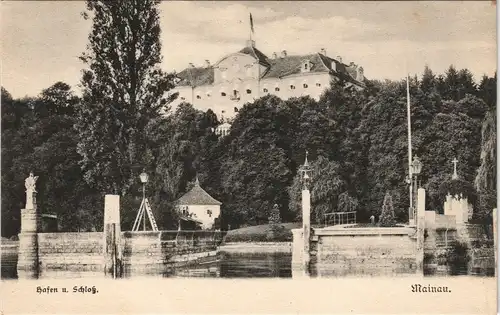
(420, 230)
(112, 237)
(306, 225)
(495, 238)
(447, 205)
(28, 262)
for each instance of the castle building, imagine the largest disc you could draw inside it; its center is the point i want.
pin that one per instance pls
(248, 74)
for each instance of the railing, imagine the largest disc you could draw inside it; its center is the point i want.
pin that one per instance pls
(337, 218)
(193, 238)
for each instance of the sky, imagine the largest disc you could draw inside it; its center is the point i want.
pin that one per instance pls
(41, 40)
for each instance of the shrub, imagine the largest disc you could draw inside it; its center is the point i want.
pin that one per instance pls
(387, 217)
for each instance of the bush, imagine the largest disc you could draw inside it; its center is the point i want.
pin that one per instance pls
(387, 217)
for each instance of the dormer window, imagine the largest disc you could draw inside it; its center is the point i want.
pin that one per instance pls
(306, 66)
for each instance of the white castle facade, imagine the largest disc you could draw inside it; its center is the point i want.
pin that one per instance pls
(248, 74)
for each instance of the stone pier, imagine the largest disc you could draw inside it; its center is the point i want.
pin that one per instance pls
(112, 237)
(28, 263)
(420, 230)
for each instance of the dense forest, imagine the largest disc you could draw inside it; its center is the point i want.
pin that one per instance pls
(83, 147)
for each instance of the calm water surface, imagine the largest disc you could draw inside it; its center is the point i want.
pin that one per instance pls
(224, 265)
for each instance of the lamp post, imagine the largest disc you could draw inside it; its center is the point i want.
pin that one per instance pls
(144, 180)
(416, 167)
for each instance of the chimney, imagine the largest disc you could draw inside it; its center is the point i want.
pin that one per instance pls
(360, 75)
(283, 54)
(207, 63)
(251, 43)
(339, 59)
(275, 55)
(323, 51)
(191, 65)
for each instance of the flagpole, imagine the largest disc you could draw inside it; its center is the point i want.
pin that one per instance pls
(410, 173)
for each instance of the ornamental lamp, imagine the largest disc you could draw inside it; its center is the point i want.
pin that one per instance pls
(417, 165)
(143, 177)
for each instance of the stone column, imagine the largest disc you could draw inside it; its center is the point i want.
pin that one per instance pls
(112, 237)
(28, 262)
(306, 225)
(420, 230)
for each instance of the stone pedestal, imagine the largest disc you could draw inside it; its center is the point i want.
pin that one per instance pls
(28, 263)
(420, 230)
(112, 237)
(306, 225)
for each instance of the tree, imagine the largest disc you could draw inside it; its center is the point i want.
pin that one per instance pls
(326, 185)
(387, 218)
(274, 216)
(124, 93)
(485, 181)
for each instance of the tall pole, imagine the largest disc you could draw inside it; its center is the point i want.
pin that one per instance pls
(409, 146)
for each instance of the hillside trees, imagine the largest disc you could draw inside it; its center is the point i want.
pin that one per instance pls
(38, 136)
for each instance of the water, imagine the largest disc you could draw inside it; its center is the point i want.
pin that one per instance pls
(224, 265)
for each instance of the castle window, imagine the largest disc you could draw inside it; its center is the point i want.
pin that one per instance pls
(209, 212)
(292, 87)
(249, 91)
(183, 98)
(236, 109)
(305, 66)
(223, 94)
(305, 86)
(208, 94)
(318, 84)
(277, 89)
(198, 97)
(266, 90)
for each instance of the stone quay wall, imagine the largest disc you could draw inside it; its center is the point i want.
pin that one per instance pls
(143, 252)
(156, 252)
(363, 251)
(82, 251)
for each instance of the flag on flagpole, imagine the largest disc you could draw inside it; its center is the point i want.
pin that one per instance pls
(251, 23)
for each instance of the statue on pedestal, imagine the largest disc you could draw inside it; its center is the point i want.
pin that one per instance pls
(29, 183)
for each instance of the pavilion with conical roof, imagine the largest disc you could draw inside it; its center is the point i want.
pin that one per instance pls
(199, 207)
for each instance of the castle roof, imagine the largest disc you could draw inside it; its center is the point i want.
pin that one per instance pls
(257, 54)
(197, 196)
(196, 76)
(276, 68)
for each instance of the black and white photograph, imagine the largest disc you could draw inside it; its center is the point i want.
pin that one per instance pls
(249, 142)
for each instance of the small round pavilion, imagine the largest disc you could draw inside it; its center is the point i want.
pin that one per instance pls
(198, 209)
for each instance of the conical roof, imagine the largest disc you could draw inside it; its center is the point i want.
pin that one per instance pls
(197, 196)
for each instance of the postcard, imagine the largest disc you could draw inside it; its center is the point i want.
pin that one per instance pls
(243, 157)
